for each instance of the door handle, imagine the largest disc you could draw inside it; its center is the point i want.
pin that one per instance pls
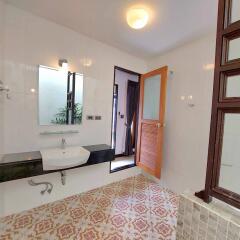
(159, 125)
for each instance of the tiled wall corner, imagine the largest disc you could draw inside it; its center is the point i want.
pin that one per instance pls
(198, 221)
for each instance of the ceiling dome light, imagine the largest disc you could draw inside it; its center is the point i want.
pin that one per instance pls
(137, 18)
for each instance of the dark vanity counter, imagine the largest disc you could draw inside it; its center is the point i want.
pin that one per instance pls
(22, 165)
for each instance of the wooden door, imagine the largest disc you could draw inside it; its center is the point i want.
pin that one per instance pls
(153, 87)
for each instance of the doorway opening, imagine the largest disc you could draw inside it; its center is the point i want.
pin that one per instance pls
(126, 91)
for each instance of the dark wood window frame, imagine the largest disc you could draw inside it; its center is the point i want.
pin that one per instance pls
(221, 105)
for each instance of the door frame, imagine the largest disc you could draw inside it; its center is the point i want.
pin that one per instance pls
(114, 113)
(137, 119)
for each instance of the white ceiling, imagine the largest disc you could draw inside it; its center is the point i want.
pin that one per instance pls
(173, 22)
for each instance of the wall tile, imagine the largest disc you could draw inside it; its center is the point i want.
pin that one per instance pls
(233, 232)
(200, 221)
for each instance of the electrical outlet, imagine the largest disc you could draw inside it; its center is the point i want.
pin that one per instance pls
(98, 117)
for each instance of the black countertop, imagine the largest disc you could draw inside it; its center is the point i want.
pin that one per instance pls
(20, 157)
(36, 155)
(21, 165)
(99, 147)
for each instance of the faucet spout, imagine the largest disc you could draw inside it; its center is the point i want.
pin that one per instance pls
(63, 143)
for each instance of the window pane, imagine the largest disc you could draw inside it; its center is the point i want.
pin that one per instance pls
(152, 86)
(230, 160)
(233, 86)
(235, 14)
(234, 49)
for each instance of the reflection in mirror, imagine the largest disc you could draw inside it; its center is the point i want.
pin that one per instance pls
(60, 97)
(152, 88)
(233, 86)
(230, 160)
(235, 12)
(233, 50)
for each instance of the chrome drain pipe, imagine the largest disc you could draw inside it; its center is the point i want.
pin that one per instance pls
(48, 186)
(63, 177)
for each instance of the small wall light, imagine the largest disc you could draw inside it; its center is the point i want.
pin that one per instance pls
(209, 66)
(86, 62)
(137, 18)
(182, 98)
(190, 101)
(63, 63)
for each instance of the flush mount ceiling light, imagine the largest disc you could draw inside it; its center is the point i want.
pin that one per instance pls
(137, 18)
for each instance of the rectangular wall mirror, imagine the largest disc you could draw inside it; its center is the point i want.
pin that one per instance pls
(60, 97)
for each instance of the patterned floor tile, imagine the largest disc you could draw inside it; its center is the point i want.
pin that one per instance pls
(134, 208)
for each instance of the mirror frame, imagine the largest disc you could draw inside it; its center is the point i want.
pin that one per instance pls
(221, 105)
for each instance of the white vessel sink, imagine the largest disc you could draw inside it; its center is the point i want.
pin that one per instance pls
(57, 158)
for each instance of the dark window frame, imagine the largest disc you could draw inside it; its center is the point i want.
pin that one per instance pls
(221, 104)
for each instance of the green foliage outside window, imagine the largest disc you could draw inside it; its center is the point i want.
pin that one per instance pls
(61, 116)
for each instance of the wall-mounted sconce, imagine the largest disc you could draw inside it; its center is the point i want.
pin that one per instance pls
(209, 66)
(32, 90)
(189, 100)
(86, 62)
(182, 98)
(63, 63)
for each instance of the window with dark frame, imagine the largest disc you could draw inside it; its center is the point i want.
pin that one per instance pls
(70, 98)
(225, 103)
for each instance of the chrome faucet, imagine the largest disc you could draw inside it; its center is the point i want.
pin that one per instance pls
(63, 143)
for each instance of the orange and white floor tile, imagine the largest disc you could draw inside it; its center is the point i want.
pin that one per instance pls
(134, 208)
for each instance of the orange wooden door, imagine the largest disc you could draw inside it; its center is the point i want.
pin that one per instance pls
(153, 88)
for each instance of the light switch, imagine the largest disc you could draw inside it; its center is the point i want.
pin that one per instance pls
(90, 117)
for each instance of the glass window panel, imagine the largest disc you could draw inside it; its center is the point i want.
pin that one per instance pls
(235, 12)
(233, 86)
(78, 98)
(230, 159)
(234, 49)
(152, 87)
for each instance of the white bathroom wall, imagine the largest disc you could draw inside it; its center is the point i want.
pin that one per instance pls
(1, 94)
(18, 195)
(121, 78)
(1, 73)
(187, 128)
(28, 42)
